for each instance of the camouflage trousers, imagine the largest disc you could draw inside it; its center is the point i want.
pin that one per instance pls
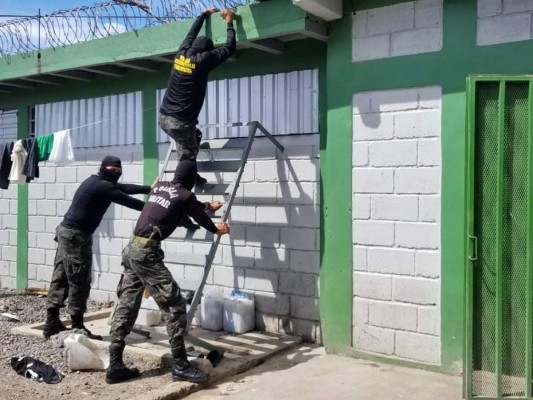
(72, 270)
(184, 133)
(144, 268)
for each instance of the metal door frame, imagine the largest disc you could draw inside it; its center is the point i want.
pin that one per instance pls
(471, 242)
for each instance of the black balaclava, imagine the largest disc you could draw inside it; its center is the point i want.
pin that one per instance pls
(111, 176)
(200, 45)
(186, 174)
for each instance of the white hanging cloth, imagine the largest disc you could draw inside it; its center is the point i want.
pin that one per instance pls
(62, 153)
(18, 157)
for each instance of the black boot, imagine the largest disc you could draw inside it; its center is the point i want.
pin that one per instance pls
(187, 223)
(200, 180)
(117, 371)
(53, 324)
(183, 370)
(77, 323)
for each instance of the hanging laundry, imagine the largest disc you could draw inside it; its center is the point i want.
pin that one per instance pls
(18, 157)
(35, 369)
(5, 163)
(62, 153)
(45, 144)
(31, 167)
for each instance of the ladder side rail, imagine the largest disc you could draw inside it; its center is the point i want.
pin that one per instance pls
(167, 159)
(269, 135)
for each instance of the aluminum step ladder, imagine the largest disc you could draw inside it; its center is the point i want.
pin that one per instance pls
(226, 189)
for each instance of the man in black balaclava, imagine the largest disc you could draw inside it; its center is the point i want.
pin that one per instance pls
(188, 84)
(144, 268)
(73, 261)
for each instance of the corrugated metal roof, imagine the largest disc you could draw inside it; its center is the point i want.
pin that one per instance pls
(8, 125)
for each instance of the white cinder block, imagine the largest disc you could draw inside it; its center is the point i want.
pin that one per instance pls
(55, 191)
(503, 29)
(108, 282)
(4, 237)
(299, 238)
(360, 154)
(121, 228)
(517, 6)
(373, 233)
(361, 103)
(67, 175)
(270, 171)
(13, 207)
(393, 315)
(35, 191)
(373, 180)
(417, 41)
(4, 207)
(376, 340)
(391, 261)
(236, 256)
(228, 276)
(361, 206)
(417, 124)
(428, 13)
(260, 193)
(304, 328)
(243, 214)
(417, 347)
(237, 236)
(429, 320)
(417, 180)
(394, 100)
(62, 207)
(360, 311)
(100, 295)
(391, 18)
(44, 273)
(45, 241)
(489, 8)
(415, 290)
(393, 153)
(396, 208)
(299, 284)
(303, 170)
(9, 253)
(417, 235)
(371, 48)
(271, 258)
(47, 175)
(429, 153)
(304, 307)
(262, 236)
(46, 207)
(132, 174)
(9, 222)
(272, 303)
(70, 190)
(272, 215)
(430, 97)
(372, 286)
(296, 193)
(427, 264)
(359, 24)
(304, 261)
(429, 208)
(265, 281)
(373, 126)
(304, 216)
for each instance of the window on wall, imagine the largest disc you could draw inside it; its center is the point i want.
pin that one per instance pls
(97, 122)
(8, 125)
(284, 103)
(31, 121)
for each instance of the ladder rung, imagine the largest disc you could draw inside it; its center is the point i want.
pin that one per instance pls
(218, 166)
(212, 188)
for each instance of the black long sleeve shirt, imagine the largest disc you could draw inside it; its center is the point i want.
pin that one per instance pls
(93, 198)
(188, 80)
(165, 206)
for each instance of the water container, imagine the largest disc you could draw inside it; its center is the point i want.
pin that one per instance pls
(197, 320)
(212, 310)
(239, 312)
(149, 314)
(82, 354)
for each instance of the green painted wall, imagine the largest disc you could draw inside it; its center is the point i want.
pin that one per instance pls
(22, 211)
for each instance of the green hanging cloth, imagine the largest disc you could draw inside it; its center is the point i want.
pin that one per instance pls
(45, 144)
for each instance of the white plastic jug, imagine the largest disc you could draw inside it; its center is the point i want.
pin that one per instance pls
(212, 310)
(82, 354)
(239, 312)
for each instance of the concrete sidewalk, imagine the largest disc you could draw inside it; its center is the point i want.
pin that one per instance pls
(306, 372)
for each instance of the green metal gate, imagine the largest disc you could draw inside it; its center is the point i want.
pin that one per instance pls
(498, 350)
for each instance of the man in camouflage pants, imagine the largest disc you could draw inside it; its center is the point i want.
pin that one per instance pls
(143, 264)
(73, 261)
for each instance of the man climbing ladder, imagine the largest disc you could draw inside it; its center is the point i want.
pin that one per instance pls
(187, 85)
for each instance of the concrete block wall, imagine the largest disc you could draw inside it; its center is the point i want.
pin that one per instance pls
(49, 198)
(396, 222)
(8, 237)
(273, 250)
(408, 28)
(504, 21)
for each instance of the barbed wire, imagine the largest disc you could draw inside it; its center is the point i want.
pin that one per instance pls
(81, 24)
